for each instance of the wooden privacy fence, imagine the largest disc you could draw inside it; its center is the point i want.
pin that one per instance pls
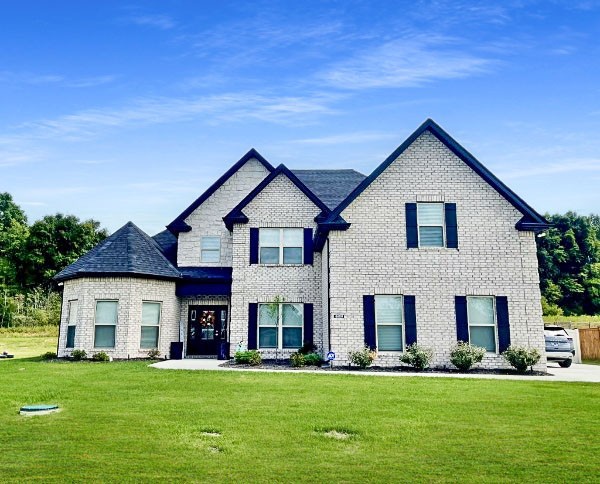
(590, 343)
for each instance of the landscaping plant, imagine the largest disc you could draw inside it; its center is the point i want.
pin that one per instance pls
(297, 359)
(49, 355)
(465, 355)
(362, 358)
(521, 357)
(100, 356)
(251, 357)
(78, 355)
(417, 356)
(313, 359)
(153, 353)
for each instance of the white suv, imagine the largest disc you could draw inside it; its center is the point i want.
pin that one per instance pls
(559, 345)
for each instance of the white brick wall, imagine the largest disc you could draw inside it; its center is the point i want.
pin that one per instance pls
(493, 257)
(207, 219)
(130, 293)
(280, 204)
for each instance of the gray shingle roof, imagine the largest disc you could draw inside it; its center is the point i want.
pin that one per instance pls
(331, 186)
(129, 251)
(168, 245)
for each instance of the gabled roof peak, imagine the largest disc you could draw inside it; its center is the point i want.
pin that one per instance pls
(179, 225)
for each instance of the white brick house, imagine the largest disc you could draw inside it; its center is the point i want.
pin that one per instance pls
(430, 248)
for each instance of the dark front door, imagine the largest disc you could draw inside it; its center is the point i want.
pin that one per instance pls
(207, 329)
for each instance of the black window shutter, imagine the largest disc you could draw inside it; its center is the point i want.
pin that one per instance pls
(308, 324)
(412, 231)
(503, 323)
(410, 320)
(308, 246)
(253, 246)
(252, 326)
(451, 229)
(369, 320)
(462, 319)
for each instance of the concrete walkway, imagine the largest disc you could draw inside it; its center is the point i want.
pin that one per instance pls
(576, 373)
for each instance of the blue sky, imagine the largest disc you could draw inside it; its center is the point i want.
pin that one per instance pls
(129, 111)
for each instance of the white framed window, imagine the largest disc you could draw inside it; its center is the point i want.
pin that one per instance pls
(430, 220)
(72, 323)
(210, 249)
(105, 323)
(280, 325)
(389, 322)
(280, 246)
(150, 324)
(481, 314)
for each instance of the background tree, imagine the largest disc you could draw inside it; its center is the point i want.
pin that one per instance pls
(53, 243)
(569, 264)
(13, 235)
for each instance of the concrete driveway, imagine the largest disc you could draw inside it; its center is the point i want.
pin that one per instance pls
(576, 373)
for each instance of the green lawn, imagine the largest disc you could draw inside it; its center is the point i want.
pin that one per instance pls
(26, 346)
(125, 421)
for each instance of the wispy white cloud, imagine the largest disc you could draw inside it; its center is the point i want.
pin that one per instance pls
(406, 63)
(345, 138)
(288, 110)
(91, 81)
(568, 165)
(53, 79)
(162, 22)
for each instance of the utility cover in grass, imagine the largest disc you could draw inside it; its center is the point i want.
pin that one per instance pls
(38, 409)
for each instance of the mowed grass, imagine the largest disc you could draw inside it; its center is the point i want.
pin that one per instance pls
(124, 421)
(26, 346)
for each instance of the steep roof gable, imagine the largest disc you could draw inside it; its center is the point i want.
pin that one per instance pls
(179, 225)
(237, 215)
(331, 186)
(129, 251)
(531, 219)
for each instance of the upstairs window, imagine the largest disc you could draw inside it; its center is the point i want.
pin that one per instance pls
(430, 219)
(280, 246)
(210, 249)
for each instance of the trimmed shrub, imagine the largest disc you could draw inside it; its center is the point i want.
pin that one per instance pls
(417, 356)
(78, 355)
(100, 356)
(49, 355)
(362, 358)
(307, 348)
(251, 357)
(297, 360)
(313, 359)
(465, 355)
(153, 353)
(521, 357)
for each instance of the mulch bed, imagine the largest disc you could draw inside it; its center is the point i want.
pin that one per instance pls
(285, 366)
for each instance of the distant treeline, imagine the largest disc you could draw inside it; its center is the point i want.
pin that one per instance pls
(30, 255)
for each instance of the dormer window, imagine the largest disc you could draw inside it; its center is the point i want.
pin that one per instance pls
(280, 246)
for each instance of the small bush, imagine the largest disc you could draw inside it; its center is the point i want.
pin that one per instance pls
(362, 358)
(417, 356)
(49, 355)
(153, 353)
(251, 357)
(297, 360)
(313, 359)
(100, 356)
(521, 357)
(307, 348)
(464, 355)
(78, 355)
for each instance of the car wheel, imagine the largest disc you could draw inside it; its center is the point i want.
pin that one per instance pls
(565, 363)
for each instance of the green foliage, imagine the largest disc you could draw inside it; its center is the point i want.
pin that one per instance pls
(417, 356)
(464, 355)
(521, 357)
(310, 359)
(78, 355)
(363, 357)
(100, 356)
(49, 355)
(307, 348)
(569, 265)
(153, 353)
(297, 360)
(251, 357)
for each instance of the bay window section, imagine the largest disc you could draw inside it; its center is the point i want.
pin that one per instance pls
(72, 323)
(150, 325)
(105, 324)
